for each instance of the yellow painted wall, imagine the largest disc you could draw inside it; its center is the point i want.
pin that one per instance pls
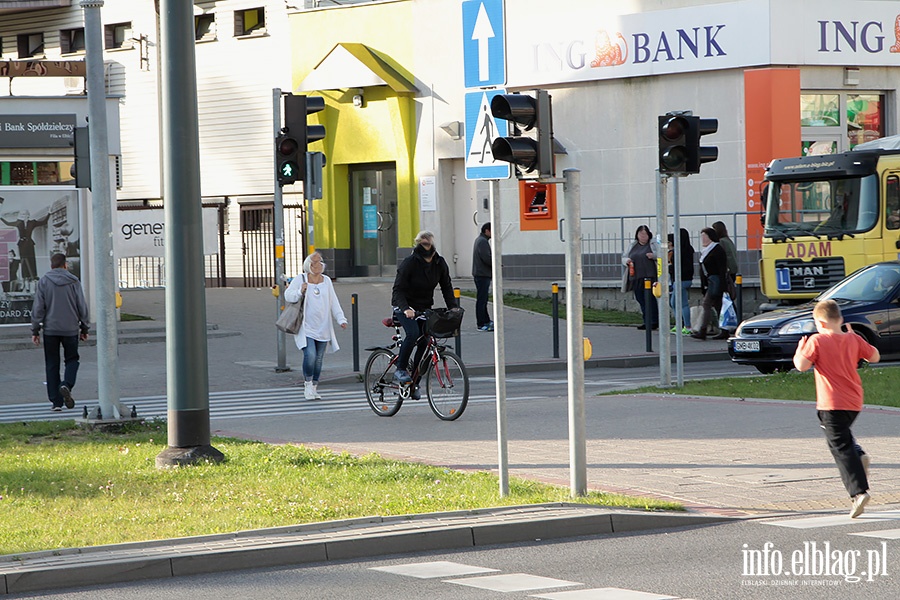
(383, 130)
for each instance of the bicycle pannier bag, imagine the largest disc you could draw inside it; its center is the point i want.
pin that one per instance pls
(444, 322)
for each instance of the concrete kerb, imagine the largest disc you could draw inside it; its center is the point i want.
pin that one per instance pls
(322, 542)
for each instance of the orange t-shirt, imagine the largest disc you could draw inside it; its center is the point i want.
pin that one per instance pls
(835, 356)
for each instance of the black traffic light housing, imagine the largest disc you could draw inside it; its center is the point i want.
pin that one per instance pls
(296, 135)
(679, 143)
(81, 167)
(529, 112)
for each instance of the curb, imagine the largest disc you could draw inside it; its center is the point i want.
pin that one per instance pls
(323, 542)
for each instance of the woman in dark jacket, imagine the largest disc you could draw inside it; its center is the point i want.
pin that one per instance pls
(640, 259)
(713, 270)
(417, 277)
(687, 276)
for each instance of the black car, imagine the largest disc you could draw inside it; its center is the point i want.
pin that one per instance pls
(870, 304)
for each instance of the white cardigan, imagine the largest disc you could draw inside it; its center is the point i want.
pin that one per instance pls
(292, 294)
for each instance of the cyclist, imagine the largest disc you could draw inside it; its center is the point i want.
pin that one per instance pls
(417, 277)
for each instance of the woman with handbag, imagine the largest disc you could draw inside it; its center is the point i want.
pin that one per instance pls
(713, 269)
(320, 305)
(640, 260)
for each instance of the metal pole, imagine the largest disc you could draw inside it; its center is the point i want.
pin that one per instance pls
(739, 301)
(354, 314)
(101, 209)
(187, 360)
(575, 331)
(278, 209)
(555, 311)
(456, 294)
(499, 343)
(662, 224)
(679, 341)
(648, 323)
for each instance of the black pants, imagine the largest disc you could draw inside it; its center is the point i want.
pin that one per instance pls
(844, 449)
(482, 289)
(52, 344)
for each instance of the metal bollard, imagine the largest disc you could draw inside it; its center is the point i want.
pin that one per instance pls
(739, 300)
(554, 289)
(354, 316)
(456, 295)
(648, 326)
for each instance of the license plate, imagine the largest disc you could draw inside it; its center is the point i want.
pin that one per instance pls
(740, 346)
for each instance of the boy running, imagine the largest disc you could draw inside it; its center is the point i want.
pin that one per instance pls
(839, 393)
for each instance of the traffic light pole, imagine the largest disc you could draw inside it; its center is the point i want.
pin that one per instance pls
(679, 341)
(499, 341)
(662, 227)
(278, 222)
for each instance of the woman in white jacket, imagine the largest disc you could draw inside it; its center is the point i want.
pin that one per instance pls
(319, 306)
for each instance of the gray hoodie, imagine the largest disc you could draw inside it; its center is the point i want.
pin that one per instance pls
(59, 305)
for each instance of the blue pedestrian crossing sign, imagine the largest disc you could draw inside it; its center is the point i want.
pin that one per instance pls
(482, 129)
(484, 44)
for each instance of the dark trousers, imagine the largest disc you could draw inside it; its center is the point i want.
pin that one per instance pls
(52, 344)
(412, 331)
(482, 289)
(652, 306)
(844, 449)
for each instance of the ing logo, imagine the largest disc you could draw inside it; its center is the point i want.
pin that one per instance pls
(896, 47)
(611, 54)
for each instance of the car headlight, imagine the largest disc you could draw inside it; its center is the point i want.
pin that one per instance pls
(797, 327)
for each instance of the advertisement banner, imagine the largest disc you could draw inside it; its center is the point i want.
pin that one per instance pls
(35, 223)
(142, 232)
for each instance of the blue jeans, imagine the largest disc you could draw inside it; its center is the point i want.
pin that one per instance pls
(482, 288)
(313, 355)
(685, 303)
(52, 344)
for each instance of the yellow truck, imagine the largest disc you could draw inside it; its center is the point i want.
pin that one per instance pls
(827, 216)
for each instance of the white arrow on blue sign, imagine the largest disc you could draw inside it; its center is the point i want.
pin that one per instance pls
(482, 129)
(484, 45)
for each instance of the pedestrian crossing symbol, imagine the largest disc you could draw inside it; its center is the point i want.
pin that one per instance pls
(482, 129)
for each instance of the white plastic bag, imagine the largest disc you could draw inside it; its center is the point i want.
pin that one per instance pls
(728, 316)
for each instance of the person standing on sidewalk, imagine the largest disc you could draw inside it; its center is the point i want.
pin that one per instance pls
(640, 258)
(320, 304)
(60, 310)
(713, 270)
(417, 277)
(839, 394)
(482, 273)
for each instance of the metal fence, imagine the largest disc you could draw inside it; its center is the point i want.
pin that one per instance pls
(605, 238)
(139, 272)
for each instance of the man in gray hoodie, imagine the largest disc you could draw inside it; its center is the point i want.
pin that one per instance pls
(59, 307)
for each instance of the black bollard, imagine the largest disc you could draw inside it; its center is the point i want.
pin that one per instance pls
(555, 312)
(354, 316)
(739, 300)
(456, 295)
(648, 326)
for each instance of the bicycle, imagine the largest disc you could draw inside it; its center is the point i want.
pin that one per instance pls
(446, 378)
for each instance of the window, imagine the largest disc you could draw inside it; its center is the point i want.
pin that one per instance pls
(30, 45)
(864, 118)
(820, 110)
(118, 35)
(250, 21)
(205, 27)
(71, 40)
(892, 202)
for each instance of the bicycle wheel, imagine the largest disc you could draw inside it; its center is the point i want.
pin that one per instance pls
(381, 392)
(447, 385)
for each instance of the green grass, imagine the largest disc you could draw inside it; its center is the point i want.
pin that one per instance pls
(879, 384)
(130, 317)
(62, 486)
(544, 306)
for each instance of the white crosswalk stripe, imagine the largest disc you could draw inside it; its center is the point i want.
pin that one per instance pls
(834, 520)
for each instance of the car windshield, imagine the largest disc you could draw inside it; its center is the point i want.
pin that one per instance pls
(822, 208)
(867, 285)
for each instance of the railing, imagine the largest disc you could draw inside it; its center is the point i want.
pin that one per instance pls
(141, 272)
(603, 239)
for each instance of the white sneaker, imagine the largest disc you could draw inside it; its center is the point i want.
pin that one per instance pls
(308, 392)
(859, 504)
(315, 391)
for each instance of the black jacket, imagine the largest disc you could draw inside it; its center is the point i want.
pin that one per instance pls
(715, 264)
(481, 257)
(416, 280)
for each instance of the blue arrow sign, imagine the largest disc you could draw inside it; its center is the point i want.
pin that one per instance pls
(484, 44)
(482, 129)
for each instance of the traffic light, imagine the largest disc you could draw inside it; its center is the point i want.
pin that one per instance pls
(296, 135)
(679, 143)
(81, 168)
(529, 112)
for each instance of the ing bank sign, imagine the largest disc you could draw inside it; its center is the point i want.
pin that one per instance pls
(579, 42)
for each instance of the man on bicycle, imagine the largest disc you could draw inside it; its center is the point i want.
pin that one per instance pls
(417, 277)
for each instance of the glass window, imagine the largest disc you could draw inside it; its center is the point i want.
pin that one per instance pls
(815, 148)
(252, 20)
(828, 207)
(205, 27)
(30, 45)
(71, 40)
(33, 173)
(118, 35)
(820, 110)
(865, 121)
(892, 203)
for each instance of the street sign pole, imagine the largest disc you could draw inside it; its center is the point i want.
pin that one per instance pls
(499, 343)
(278, 209)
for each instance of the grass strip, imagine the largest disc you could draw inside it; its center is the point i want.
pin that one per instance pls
(879, 384)
(62, 486)
(544, 306)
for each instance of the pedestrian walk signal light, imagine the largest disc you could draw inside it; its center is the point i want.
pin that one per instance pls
(291, 145)
(679, 143)
(530, 113)
(286, 156)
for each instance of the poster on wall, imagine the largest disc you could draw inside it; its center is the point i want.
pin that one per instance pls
(142, 232)
(34, 225)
